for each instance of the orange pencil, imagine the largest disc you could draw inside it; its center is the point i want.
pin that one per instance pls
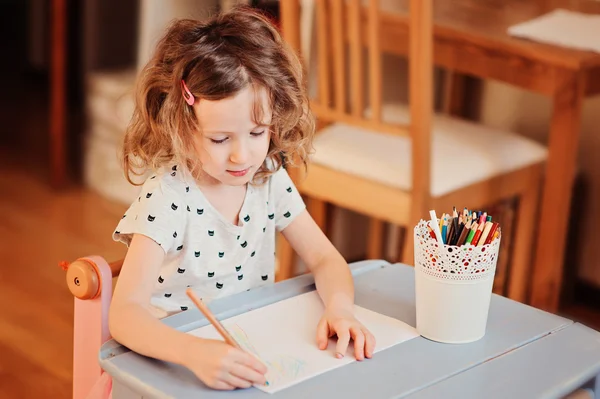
(214, 321)
(485, 234)
(490, 236)
(497, 233)
(478, 233)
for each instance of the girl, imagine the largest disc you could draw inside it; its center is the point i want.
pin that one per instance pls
(220, 109)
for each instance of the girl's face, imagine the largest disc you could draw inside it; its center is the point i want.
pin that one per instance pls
(231, 146)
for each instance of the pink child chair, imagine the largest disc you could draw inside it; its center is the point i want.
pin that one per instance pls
(90, 281)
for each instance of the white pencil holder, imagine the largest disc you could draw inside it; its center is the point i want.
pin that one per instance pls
(453, 287)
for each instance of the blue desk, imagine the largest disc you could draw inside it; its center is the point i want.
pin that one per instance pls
(518, 357)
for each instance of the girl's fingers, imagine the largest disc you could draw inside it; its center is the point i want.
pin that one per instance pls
(370, 343)
(236, 381)
(342, 343)
(222, 385)
(322, 334)
(359, 342)
(251, 361)
(247, 374)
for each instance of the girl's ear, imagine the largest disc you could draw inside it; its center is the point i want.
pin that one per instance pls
(187, 95)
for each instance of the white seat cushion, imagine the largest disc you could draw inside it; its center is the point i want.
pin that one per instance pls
(463, 153)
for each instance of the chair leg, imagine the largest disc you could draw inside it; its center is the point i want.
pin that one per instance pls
(523, 242)
(454, 93)
(318, 211)
(286, 257)
(400, 244)
(375, 243)
(408, 248)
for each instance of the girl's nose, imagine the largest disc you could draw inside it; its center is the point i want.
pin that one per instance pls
(239, 154)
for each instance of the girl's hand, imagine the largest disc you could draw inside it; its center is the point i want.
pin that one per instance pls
(341, 322)
(221, 366)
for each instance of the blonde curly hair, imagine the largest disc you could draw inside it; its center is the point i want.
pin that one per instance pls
(217, 58)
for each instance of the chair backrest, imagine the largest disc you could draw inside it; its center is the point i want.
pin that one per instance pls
(344, 29)
(90, 281)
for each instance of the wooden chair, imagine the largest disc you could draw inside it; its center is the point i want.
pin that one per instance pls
(393, 162)
(90, 281)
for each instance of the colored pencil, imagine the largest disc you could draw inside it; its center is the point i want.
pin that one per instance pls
(492, 234)
(212, 319)
(467, 227)
(215, 322)
(434, 223)
(471, 233)
(450, 231)
(478, 233)
(484, 235)
(464, 233)
(445, 231)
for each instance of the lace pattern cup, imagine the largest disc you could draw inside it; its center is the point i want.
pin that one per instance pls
(453, 287)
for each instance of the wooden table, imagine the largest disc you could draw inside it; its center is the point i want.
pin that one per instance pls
(471, 39)
(526, 353)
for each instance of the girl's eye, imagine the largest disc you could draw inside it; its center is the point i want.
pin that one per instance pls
(256, 134)
(218, 141)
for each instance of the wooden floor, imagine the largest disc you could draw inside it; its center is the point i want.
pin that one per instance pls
(39, 228)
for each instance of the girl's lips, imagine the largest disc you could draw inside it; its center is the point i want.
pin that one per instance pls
(238, 173)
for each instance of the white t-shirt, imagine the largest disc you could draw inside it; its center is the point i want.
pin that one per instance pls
(203, 249)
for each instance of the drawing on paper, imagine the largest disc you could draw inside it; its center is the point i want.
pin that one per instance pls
(291, 354)
(281, 367)
(240, 336)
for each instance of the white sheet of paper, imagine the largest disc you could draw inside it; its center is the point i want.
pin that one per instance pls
(283, 335)
(564, 28)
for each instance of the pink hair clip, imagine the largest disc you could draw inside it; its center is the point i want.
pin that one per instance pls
(187, 95)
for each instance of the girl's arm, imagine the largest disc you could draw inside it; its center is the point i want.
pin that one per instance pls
(332, 274)
(335, 286)
(131, 323)
(130, 320)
